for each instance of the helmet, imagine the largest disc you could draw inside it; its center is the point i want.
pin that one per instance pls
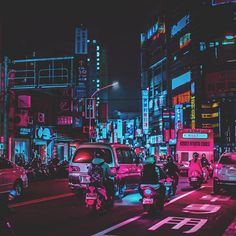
(150, 160)
(195, 155)
(203, 155)
(169, 158)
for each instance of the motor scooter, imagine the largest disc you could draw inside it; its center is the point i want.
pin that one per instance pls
(195, 179)
(97, 200)
(152, 197)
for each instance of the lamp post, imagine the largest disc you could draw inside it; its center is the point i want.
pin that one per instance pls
(90, 105)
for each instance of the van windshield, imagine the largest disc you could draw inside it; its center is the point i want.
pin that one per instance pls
(86, 155)
(228, 160)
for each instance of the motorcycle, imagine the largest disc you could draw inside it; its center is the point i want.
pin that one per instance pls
(152, 198)
(96, 199)
(195, 179)
(170, 184)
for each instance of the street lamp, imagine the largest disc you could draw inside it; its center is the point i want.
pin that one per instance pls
(114, 84)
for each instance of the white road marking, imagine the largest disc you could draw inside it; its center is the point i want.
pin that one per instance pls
(179, 222)
(44, 199)
(104, 232)
(216, 198)
(201, 208)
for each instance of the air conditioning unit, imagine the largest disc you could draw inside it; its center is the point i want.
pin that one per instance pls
(21, 120)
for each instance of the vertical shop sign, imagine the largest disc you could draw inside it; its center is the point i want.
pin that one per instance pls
(145, 115)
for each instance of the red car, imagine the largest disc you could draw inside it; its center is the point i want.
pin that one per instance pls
(12, 177)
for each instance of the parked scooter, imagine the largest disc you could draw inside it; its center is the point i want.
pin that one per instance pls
(96, 199)
(195, 179)
(152, 198)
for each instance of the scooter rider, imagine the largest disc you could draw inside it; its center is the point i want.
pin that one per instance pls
(204, 161)
(107, 181)
(152, 174)
(205, 165)
(195, 165)
(171, 169)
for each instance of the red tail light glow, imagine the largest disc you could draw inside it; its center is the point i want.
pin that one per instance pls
(113, 170)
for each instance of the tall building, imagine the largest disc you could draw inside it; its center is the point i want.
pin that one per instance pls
(188, 71)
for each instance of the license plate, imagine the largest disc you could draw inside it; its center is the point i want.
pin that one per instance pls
(147, 201)
(91, 196)
(168, 184)
(193, 179)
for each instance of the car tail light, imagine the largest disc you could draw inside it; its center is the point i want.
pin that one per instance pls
(74, 169)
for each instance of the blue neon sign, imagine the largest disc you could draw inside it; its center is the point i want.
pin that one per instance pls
(180, 25)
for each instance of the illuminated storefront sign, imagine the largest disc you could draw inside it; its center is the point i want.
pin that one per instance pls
(156, 139)
(64, 120)
(44, 133)
(184, 40)
(193, 112)
(180, 25)
(181, 98)
(178, 116)
(180, 80)
(145, 115)
(219, 2)
(154, 32)
(25, 131)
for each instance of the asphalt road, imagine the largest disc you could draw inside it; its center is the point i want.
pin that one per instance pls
(48, 208)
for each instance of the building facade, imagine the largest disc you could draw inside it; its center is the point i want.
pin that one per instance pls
(188, 72)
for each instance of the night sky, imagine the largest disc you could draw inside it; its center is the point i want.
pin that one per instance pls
(40, 25)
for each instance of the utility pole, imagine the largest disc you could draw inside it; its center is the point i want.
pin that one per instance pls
(5, 108)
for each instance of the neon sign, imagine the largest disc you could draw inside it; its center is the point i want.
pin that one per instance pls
(184, 40)
(195, 135)
(180, 25)
(181, 98)
(145, 115)
(219, 2)
(193, 112)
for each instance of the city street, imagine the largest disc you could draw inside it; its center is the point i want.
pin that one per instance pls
(49, 208)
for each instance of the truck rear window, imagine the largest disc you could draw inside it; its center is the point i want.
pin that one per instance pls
(86, 155)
